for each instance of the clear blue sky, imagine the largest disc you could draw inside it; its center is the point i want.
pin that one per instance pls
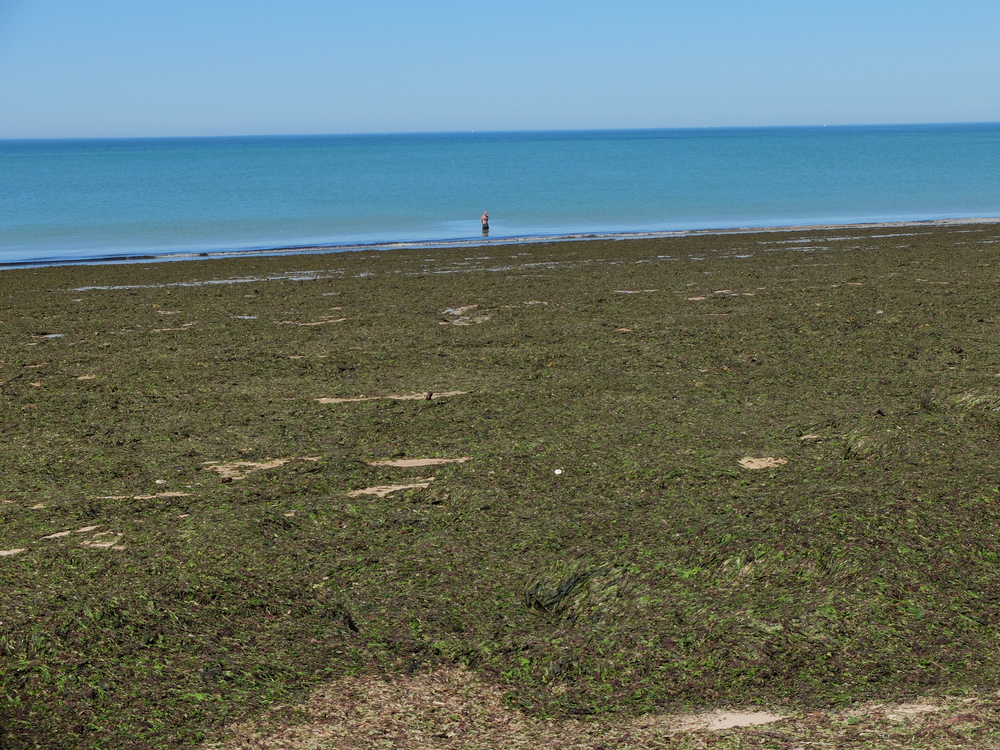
(81, 68)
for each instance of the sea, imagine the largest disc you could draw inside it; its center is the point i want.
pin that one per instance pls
(119, 200)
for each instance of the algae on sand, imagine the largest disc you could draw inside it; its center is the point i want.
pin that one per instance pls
(866, 567)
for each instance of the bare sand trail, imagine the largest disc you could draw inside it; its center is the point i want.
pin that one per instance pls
(453, 709)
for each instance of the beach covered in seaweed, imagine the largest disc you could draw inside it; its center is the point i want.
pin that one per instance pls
(604, 481)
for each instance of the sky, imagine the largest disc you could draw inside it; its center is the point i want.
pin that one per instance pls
(136, 68)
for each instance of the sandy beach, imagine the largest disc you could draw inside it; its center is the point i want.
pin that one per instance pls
(604, 490)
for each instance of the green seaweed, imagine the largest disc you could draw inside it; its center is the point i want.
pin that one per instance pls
(653, 573)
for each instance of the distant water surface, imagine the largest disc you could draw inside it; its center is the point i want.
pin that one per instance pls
(74, 200)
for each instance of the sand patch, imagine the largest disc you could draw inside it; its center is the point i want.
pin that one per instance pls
(143, 497)
(635, 291)
(37, 506)
(86, 377)
(696, 299)
(237, 470)
(9, 552)
(102, 540)
(406, 463)
(243, 469)
(181, 328)
(767, 462)
(422, 483)
(912, 709)
(465, 321)
(459, 317)
(895, 712)
(322, 322)
(810, 438)
(82, 530)
(428, 396)
(714, 721)
(451, 708)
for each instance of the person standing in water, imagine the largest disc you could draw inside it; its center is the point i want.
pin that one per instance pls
(486, 223)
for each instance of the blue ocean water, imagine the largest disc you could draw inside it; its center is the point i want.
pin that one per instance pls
(73, 200)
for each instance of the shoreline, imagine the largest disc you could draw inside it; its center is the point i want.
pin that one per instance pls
(128, 258)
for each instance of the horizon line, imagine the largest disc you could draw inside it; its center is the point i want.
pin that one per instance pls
(6, 139)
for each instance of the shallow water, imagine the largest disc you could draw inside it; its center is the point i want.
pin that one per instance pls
(105, 199)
